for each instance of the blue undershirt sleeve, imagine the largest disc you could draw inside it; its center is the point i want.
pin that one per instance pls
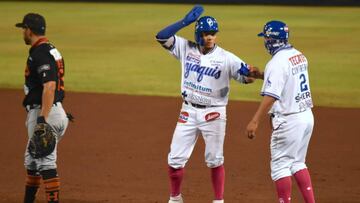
(170, 31)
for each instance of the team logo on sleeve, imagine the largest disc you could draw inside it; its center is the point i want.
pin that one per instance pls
(43, 68)
(268, 83)
(183, 117)
(212, 116)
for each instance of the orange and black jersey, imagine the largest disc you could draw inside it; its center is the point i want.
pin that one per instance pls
(44, 64)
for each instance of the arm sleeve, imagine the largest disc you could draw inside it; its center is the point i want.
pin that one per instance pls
(170, 31)
(46, 67)
(166, 37)
(274, 80)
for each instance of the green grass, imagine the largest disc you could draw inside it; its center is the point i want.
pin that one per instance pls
(110, 47)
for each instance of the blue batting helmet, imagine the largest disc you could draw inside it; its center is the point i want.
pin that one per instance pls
(277, 33)
(205, 24)
(275, 30)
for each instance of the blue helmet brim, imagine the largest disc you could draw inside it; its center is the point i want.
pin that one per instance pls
(261, 34)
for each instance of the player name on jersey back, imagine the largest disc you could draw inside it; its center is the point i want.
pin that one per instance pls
(287, 79)
(299, 69)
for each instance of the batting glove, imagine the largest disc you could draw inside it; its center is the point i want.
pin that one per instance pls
(193, 15)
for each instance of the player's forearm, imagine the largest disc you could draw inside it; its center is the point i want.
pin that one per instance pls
(170, 31)
(190, 17)
(264, 107)
(47, 98)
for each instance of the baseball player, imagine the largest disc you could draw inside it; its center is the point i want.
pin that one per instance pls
(44, 92)
(206, 72)
(287, 98)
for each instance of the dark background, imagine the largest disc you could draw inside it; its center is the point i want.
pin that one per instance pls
(248, 2)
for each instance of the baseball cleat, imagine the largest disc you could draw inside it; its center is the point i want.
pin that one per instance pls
(176, 199)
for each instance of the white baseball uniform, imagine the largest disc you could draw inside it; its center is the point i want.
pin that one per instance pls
(205, 89)
(286, 79)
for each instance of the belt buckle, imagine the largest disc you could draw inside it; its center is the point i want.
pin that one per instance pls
(29, 107)
(199, 106)
(32, 106)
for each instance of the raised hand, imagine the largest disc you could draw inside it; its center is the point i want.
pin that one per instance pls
(193, 15)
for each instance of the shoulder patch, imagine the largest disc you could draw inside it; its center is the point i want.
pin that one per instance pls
(43, 68)
(56, 54)
(268, 83)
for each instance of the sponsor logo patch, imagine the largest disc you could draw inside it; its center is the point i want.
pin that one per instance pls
(43, 68)
(302, 96)
(268, 33)
(183, 117)
(193, 58)
(212, 116)
(196, 87)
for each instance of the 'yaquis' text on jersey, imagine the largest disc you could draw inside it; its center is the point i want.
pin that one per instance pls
(205, 77)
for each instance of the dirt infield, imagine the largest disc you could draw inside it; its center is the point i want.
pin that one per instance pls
(116, 152)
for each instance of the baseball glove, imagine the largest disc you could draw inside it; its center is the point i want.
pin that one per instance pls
(43, 141)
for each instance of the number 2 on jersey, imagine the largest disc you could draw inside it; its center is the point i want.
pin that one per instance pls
(303, 85)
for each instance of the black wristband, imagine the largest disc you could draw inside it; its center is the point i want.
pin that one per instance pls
(40, 119)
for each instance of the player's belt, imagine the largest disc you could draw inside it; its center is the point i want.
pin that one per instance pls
(199, 106)
(32, 106)
(38, 106)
